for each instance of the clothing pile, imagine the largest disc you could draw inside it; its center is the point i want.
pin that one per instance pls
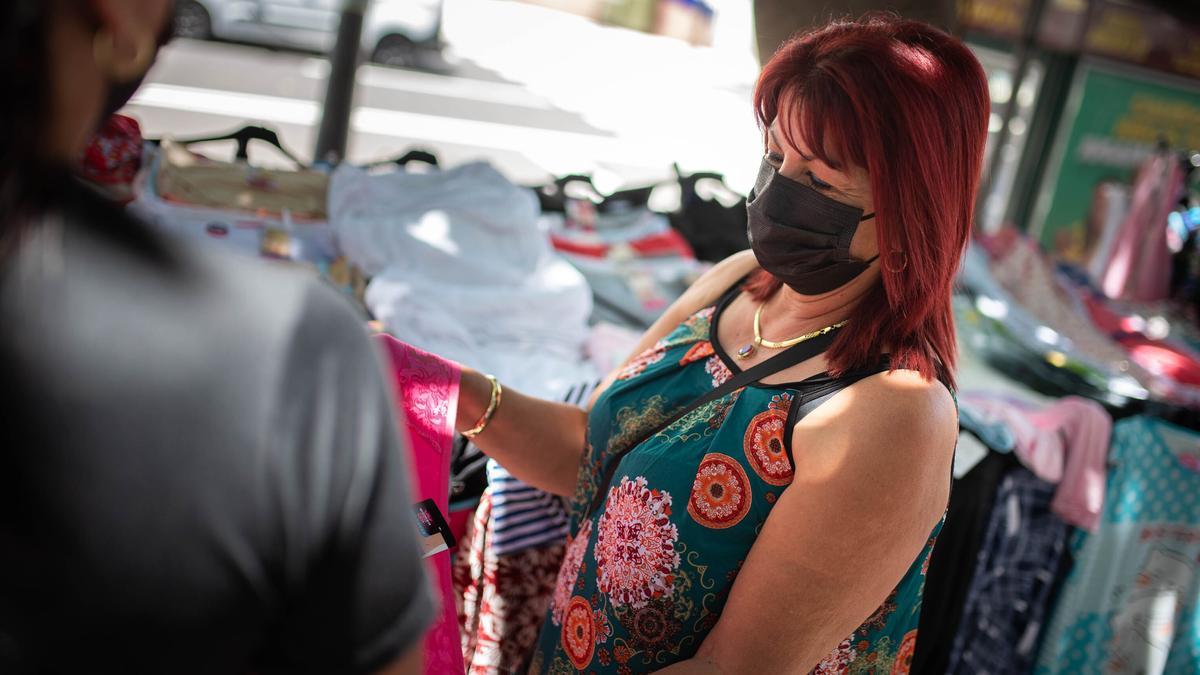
(273, 214)
(634, 261)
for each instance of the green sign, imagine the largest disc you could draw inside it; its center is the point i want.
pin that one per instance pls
(1114, 119)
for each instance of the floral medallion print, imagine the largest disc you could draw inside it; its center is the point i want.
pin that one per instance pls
(720, 493)
(634, 422)
(579, 633)
(604, 629)
(765, 445)
(694, 329)
(698, 423)
(587, 483)
(645, 582)
(928, 552)
(623, 653)
(652, 627)
(635, 544)
(838, 662)
(719, 371)
(880, 618)
(698, 352)
(904, 656)
(644, 360)
(569, 573)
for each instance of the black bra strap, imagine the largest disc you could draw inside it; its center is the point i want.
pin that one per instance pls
(811, 397)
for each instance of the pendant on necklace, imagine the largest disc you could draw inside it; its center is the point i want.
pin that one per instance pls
(745, 352)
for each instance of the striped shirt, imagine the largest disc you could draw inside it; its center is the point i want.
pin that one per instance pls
(525, 517)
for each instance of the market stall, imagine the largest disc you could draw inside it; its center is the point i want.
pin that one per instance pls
(1073, 532)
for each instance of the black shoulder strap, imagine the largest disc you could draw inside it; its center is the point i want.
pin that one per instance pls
(822, 391)
(791, 357)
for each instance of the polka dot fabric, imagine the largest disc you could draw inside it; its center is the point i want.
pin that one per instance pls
(1130, 604)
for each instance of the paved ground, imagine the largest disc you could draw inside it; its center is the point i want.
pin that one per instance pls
(536, 92)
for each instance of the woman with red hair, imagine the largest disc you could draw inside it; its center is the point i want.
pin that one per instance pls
(762, 484)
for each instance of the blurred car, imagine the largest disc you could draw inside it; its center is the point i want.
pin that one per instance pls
(395, 32)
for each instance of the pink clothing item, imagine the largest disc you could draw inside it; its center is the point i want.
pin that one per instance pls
(1172, 367)
(1175, 362)
(1139, 266)
(1065, 443)
(427, 389)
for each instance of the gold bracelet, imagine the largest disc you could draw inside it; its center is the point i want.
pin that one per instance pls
(493, 405)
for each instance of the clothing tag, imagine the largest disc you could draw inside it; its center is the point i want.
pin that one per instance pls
(435, 532)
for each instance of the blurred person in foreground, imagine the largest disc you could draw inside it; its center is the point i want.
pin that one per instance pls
(200, 471)
(784, 526)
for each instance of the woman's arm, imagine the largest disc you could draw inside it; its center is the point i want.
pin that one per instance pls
(541, 442)
(538, 441)
(872, 479)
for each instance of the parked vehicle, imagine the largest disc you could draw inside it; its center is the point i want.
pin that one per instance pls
(395, 32)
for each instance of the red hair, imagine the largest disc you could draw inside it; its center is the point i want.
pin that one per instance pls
(908, 104)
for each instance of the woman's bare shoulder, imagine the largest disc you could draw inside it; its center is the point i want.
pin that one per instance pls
(898, 426)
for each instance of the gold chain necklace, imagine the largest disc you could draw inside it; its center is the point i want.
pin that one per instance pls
(748, 350)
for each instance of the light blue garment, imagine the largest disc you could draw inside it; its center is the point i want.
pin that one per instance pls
(1130, 605)
(995, 435)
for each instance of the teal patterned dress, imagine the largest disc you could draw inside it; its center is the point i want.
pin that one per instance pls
(646, 576)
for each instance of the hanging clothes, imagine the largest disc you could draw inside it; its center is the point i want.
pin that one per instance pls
(1109, 210)
(502, 598)
(715, 231)
(1130, 604)
(1139, 267)
(506, 572)
(185, 177)
(1065, 443)
(952, 564)
(427, 389)
(1018, 569)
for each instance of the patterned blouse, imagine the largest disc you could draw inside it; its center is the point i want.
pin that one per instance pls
(646, 576)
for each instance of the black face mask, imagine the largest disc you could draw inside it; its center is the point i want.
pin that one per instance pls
(120, 93)
(800, 235)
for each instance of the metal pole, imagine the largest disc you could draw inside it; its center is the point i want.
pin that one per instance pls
(339, 91)
(1028, 32)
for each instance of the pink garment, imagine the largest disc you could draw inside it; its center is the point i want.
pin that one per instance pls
(1175, 362)
(1172, 367)
(1065, 443)
(427, 388)
(1139, 266)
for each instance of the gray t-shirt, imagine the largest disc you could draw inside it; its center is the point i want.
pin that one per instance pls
(200, 471)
